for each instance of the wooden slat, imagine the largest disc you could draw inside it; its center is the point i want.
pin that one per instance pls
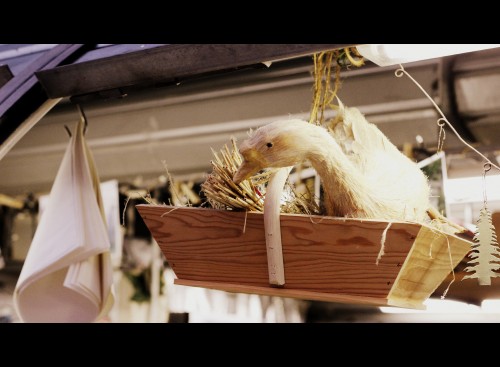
(5, 75)
(321, 254)
(26, 126)
(289, 293)
(325, 258)
(427, 266)
(163, 64)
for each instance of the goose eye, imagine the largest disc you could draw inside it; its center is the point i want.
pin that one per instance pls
(269, 145)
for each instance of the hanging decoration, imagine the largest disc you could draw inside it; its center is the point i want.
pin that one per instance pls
(485, 259)
(485, 256)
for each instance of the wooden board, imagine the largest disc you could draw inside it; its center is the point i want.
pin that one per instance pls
(288, 293)
(433, 256)
(5, 75)
(322, 255)
(164, 63)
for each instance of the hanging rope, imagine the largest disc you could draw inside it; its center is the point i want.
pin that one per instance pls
(323, 94)
(327, 82)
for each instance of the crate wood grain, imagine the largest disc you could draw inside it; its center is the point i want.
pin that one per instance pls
(325, 258)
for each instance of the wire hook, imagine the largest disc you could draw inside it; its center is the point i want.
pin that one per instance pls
(83, 117)
(486, 169)
(67, 130)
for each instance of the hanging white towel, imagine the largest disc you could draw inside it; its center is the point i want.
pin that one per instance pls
(67, 275)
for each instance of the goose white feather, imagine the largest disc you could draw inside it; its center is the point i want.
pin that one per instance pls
(363, 174)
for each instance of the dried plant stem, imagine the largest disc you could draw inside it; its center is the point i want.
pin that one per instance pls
(220, 189)
(323, 94)
(356, 62)
(173, 189)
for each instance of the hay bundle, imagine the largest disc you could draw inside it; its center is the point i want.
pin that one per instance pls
(222, 192)
(219, 187)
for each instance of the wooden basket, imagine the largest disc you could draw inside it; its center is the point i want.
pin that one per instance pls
(325, 258)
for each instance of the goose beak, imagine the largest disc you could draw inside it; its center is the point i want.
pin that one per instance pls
(246, 170)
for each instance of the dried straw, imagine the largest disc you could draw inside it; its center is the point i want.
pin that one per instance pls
(326, 84)
(223, 193)
(220, 189)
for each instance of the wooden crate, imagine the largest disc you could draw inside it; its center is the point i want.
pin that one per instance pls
(325, 258)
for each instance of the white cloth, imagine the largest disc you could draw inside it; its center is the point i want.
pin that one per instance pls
(67, 275)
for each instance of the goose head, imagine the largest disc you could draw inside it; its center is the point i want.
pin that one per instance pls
(278, 144)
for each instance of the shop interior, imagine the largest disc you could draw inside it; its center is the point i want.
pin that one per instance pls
(151, 128)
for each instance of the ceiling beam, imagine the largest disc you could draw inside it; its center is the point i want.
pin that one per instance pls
(22, 94)
(449, 99)
(164, 64)
(5, 75)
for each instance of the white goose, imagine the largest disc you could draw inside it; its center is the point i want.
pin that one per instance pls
(363, 174)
